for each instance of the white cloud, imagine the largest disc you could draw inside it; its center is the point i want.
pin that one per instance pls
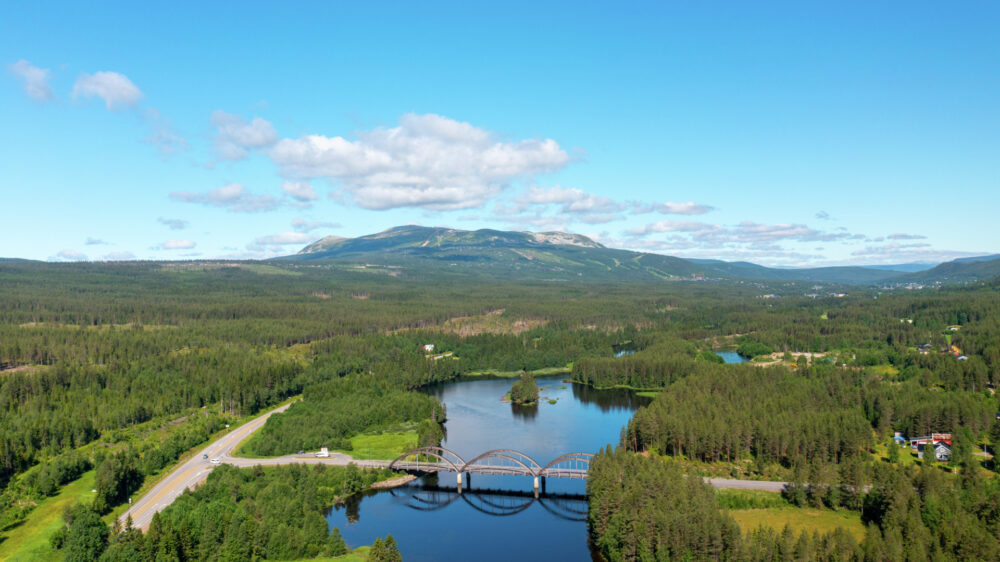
(687, 208)
(824, 216)
(233, 197)
(69, 255)
(236, 136)
(118, 256)
(901, 236)
(35, 80)
(301, 191)
(671, 226)
(115, 89)
(95, 242)
(176, 245)
(427, 161)
(162, 134)
(897, 252)
(285, 238)
(173, 224)
(570, 200)
(302, 225)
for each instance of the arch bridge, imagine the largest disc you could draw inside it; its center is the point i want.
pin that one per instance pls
(497, 461)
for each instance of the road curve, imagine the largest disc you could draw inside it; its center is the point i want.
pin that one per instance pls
(195, 470)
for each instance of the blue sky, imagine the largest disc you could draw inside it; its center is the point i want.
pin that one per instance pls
(795, 133)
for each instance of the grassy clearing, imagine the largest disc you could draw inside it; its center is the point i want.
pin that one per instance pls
(885, 370)
(30, 539)
(359, 554)
(800, 519)
(907, 457)
(515, 374)
(648, 393)
(384, 446)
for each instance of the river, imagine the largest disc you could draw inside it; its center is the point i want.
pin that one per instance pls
(497, 517)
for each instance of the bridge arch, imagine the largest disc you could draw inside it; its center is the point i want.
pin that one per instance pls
(529, 464)
(449, 458)
(573, 459)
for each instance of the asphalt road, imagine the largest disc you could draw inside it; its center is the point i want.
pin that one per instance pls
(194, 471)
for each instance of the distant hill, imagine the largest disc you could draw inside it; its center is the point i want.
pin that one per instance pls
(990, 257)
(962, 270)
(549, 255)
(902, 267)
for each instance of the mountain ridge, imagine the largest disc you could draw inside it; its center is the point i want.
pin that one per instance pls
(562, 255)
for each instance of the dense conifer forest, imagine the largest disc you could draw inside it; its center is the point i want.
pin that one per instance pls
(122, 368)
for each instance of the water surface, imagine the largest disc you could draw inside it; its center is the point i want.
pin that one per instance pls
(497, 517)
(731, 357)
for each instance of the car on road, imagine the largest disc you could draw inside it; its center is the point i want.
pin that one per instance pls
(301, 452)
(204, 456)
(215, 461)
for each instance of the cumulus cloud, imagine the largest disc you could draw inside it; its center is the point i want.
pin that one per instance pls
(118, 256)
(285, 238)
(901, 236)
(302, 225)
(236, 136)
(34, 80)
(69, 255)
(176, 245)
(95, 242)
(824, 216)
(173, 224)
(427, 161)
(115, 89)
(232, 197)
(301, 191)
(569, 200)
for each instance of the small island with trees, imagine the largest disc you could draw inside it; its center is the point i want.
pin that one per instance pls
(524, 391)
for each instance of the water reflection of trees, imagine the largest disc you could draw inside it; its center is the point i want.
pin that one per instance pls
(610, 399)
(524, 412)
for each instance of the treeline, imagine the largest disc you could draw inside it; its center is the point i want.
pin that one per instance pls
(647, 509)
(332, 412)
(69, 405)
(819, 413)
(237, 514)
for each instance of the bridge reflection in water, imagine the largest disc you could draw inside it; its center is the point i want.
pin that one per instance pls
(498, 503)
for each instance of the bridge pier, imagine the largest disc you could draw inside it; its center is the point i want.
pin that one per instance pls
(459, 478)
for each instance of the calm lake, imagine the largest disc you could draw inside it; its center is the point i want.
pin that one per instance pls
(731, 357)
(497, 517)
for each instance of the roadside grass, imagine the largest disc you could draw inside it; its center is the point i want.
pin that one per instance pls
(383, 446)
(800, 519)
(30, 539)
